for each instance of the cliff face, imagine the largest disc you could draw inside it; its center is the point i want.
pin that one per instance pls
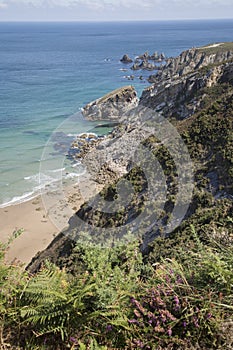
(193, 59)
(203, 99)
(112, 106)
(178, 88)
(182, 96)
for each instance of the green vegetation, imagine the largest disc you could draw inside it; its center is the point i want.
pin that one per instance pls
(222, 47)
(119, 301)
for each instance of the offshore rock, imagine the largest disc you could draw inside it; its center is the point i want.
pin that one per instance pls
(145, 65)
(112, 106)
(126, 59)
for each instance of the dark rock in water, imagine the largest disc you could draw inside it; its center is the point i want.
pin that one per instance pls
(154, 56)
(126, 59)
(145, 65)
(144, 56)
(129, 77)
(82, 144)
(162, 56)
(135, 66)
(113, 105)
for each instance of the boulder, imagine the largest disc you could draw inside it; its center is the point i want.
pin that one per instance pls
(126, 59)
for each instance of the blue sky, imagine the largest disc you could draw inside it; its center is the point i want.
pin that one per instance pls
(102, 10)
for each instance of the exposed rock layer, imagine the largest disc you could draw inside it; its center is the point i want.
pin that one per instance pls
(178, 88)
(112, 106)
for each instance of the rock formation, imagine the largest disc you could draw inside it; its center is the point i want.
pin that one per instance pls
(112, 106)
(145, 65)
(179, 87)
(126, 59)
(193, 59)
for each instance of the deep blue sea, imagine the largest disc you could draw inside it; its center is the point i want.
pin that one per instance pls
(48, 71)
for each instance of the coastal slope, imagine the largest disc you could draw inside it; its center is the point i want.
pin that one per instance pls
(199, 104)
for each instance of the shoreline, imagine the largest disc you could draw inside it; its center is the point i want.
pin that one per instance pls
(42, 215)
(37, 221)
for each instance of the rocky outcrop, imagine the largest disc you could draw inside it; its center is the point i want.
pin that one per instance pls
(179, 95)
(144, 65)
(112, 106)
(83, 144)
(157, 57)
(193, 59)
(126, 59)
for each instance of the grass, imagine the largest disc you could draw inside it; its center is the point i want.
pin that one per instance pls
(209, 49)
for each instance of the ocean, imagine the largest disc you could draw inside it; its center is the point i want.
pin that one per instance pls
(48, 71)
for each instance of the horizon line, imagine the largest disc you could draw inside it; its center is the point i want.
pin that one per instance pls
(116, 21)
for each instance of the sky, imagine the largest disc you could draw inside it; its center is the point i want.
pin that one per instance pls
(113, 10)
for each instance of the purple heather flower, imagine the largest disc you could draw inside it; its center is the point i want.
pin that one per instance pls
(73, 340)
(177, 303)
(108, 328)
(179, 280)
(139, 306)
(139, 343)
(167, 278)
(195, 322)
(169, 315)
(184, 324)
(169, 332)
(133, 321)
(209, 315)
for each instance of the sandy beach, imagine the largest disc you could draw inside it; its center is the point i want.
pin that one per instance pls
(41, 219)
(37, 228)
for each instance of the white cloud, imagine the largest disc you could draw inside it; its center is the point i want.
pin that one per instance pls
(117, 3)
(3, 5)
(119, 9)
(87, 3)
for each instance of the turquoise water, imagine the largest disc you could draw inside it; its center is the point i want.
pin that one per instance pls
(48, 71)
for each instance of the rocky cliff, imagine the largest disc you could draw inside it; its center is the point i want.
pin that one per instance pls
(179, 87)
(193, 59)
(112, 106)
(201, 101)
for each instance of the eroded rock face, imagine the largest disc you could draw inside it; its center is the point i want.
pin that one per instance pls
(112, 106)
(179, 95)
(193, 59)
